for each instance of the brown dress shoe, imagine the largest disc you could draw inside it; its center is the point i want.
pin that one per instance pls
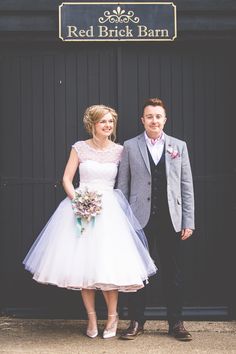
(179, 332)
(133, 331)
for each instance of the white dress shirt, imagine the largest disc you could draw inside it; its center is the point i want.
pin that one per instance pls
(156, 150)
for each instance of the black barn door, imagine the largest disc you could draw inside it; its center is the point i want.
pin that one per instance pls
(44, 92)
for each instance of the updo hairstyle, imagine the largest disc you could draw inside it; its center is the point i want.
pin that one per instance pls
(94, 114)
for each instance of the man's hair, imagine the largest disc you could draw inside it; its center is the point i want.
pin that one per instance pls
(154, 102)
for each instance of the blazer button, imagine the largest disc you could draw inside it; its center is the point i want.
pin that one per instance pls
(148, 198)
(149, 183)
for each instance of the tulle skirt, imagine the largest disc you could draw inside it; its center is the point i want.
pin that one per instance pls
(111, 253)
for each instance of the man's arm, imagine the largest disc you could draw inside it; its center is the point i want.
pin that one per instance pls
(187, 192)
(123, 178)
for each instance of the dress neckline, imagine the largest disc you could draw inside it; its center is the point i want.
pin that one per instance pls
(97, 150)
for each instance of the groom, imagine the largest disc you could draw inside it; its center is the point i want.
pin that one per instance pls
(155, 176)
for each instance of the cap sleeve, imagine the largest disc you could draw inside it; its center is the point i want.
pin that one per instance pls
(119, 152)
(77, 146)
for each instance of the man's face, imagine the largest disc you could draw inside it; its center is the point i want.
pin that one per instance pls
(154, 119)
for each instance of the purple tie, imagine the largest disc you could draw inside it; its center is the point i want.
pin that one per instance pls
(153, 141)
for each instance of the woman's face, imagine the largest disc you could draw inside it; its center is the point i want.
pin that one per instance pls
(104, 127)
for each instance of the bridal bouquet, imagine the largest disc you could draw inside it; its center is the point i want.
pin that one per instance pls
(86, 205)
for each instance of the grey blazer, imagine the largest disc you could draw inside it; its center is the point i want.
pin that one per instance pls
(134, 180)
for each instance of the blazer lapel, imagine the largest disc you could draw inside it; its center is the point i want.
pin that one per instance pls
(143, 149)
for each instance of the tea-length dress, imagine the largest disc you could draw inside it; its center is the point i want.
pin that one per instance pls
(111, 253)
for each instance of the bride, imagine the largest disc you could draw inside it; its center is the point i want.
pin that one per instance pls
(93, 241)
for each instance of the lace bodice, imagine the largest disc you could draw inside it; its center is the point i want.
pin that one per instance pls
(97, 168)
(86, 152)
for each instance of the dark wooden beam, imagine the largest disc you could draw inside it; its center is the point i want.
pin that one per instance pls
(182, 5)
(38, 20)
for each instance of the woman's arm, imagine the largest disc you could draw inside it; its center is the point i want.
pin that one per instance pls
(69, 173)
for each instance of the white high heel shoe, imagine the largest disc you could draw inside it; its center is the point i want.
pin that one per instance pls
(92, 333)
(111, 330)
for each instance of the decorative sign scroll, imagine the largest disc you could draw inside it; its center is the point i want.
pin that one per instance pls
(123, 21)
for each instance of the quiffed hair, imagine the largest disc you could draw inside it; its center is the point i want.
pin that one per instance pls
(154, 102)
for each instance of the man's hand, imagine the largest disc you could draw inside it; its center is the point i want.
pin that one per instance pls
(186, 233)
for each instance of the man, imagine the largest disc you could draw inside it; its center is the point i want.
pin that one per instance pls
(155, 176)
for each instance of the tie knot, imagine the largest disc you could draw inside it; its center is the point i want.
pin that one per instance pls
(153, 141)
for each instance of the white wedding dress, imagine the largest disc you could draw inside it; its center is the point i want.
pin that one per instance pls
(111, 253)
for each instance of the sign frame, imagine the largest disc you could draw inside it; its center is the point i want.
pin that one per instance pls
(119, 39)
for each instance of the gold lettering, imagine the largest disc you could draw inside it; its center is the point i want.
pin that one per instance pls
(114, 32)
(143, 31)
(103, 31)
(72, 31)
(151, 33)
(122, 33)
(82, 33)
(86, 33)
(164, 33)
(128, 32)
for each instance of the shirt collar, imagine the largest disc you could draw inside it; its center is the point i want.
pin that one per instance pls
(161, 139)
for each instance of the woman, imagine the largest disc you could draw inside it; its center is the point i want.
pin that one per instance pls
(104, 249)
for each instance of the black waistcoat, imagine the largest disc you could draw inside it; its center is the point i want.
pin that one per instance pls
(159, 203)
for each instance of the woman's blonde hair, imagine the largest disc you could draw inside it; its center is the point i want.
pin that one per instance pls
(94, 113)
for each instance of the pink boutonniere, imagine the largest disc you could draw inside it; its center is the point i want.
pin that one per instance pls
(173, 153)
